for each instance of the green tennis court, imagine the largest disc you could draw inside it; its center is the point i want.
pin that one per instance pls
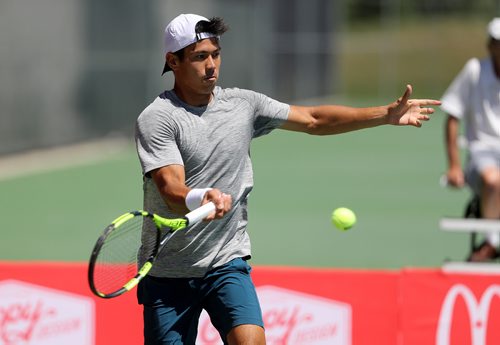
(388, 176)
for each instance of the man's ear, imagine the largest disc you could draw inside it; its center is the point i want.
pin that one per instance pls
(172, 61)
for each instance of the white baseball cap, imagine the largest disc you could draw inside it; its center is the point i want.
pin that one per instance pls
(181, 32)
(494, 28)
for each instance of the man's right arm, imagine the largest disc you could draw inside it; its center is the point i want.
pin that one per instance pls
(171, 183)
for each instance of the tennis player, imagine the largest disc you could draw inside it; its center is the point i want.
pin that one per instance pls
(193, 143)
(473, 99)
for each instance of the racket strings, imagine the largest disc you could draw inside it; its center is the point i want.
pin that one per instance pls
(117, 261)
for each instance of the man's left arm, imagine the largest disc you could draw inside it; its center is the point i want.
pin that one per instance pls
(335, 119)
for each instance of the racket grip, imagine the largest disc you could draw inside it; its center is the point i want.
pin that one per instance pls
(201, 212)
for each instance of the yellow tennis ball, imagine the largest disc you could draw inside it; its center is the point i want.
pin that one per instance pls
(343, 218)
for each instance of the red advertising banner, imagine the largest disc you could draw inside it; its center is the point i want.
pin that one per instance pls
(50, 303)
(38, 299)
(323, 307)
(371, 297)
(443, 309)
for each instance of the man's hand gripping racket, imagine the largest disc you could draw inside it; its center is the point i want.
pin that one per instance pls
(113, 267)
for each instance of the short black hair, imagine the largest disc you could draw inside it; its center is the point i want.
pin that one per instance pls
(215, 26)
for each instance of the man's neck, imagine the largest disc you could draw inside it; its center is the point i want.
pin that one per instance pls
(192, 98)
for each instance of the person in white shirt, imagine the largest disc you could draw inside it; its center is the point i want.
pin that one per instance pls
(473, 99)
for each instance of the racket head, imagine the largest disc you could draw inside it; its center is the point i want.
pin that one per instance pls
(113, 266)
(114, 262)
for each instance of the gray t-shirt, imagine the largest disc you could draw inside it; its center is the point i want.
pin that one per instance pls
(213, 145)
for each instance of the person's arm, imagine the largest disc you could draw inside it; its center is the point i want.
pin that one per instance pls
(335, 119)
(454, 175)
(171, 183)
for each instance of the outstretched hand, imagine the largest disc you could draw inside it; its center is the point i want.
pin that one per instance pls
(410, 112)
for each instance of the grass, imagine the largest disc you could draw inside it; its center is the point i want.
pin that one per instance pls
(57, 215)
(388, 176)
(427, 52)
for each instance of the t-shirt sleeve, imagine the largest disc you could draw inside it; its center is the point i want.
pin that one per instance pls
(156, 141)
(268, 114)
(456, 99)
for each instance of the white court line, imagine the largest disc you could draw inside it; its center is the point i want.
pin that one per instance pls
(469, 225)
(471, 267)
(43, 160)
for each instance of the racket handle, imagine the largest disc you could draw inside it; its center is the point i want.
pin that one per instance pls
(201, 212)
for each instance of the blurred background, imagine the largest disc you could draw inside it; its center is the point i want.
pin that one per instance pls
(75, 74)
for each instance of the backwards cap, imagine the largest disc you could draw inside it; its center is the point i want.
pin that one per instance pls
(181, 32)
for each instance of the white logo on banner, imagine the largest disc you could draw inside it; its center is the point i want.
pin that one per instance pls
(293, 318)
(478, 313)
(32, 314)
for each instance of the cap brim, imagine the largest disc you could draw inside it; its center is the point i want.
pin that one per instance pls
(166, 68)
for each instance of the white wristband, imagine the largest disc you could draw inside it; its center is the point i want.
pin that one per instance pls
(195, 196)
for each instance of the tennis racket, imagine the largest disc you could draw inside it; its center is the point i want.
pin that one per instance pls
(113, 267)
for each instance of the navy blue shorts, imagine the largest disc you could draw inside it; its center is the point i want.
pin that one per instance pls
(172, 306)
